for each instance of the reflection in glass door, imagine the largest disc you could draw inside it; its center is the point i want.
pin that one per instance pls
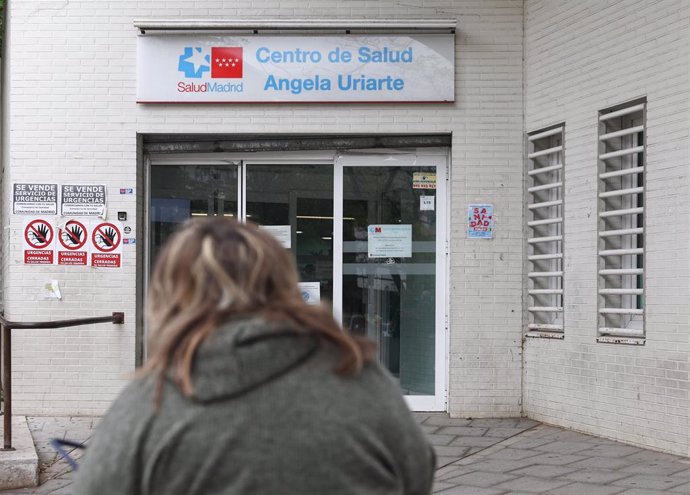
(179, 192)
(388, 297)
(295, 202)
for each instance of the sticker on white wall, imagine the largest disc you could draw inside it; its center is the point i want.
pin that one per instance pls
(73, 247)
(51, 290)
(82, 200)
(34, 199)
(480, 221)
(106, 245)
(38, 242)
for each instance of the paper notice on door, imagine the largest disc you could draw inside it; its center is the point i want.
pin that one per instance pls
(424, 180)
(389, 241)
(311, 292)
(427, 203)
(282, 233)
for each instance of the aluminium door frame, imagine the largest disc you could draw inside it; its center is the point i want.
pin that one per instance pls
(432, 157)
(439, 157)
(162, 160)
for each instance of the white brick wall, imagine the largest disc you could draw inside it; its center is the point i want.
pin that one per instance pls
(72, 117)
(582, 57)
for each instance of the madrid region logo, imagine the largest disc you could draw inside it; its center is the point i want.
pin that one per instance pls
(223, 62)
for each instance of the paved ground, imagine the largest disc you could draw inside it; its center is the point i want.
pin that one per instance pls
(55, 474)
(554, 461)
(476, 457)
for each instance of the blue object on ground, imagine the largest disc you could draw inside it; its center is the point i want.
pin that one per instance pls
(61, 447)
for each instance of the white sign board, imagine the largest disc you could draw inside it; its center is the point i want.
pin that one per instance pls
(282, 234)
(427, 203)
(389, 241)
(311, 292)
(34, 199)
(193, 68)
(82, 200)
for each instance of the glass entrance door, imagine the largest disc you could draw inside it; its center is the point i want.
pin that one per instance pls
(393, 259)
(295, 202)
(182, 191)
(367, 232)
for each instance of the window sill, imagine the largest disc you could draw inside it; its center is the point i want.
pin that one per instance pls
(544, 335)
(621, 340)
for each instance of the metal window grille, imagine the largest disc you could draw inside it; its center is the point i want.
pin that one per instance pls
(621, 223)
(545, 231)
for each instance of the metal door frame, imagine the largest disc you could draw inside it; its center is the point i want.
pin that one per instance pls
(438, 157)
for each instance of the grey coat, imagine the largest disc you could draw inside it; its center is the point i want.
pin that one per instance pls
(268, 416)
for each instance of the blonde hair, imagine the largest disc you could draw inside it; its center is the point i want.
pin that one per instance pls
(215, 270)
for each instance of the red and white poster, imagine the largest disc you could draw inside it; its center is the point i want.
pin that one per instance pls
(106, 245)
(39, 242)
(72, 243)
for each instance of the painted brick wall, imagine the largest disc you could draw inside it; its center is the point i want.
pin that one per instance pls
(72, 117)
(582, 57)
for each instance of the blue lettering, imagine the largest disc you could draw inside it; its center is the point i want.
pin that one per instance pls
(270, 83)
(262, 59)
(297, 86)
(296, 56)
(385, 55)
(364, 83)
(216, 87)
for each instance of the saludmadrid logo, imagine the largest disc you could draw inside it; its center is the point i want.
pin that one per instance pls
(224, 62)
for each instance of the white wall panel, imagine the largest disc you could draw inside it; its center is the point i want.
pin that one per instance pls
(583, 57)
